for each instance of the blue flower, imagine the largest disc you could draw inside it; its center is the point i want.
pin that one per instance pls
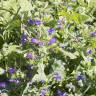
(51, 31)
(31, 22)
(34, 22)
(89, 51)
(70, 8)
(43, 81)
(12, 71)
(52, 41)
(41, 43)
(2, 84)
(57, 77)
(38, 22)
(59, 92)
(24, 39)
(80, 77)
(34, 40)
(29, 56)
(74, 0)
(61, 23)
(93, 34)
(64, 94)
(16, 81)
(43, 92)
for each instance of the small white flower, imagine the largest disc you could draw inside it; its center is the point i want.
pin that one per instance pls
(2, 71)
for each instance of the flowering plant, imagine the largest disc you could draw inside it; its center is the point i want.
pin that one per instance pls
(48, 48)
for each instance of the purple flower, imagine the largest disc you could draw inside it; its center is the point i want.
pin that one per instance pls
(41, 43)
(93, 34)
(64, 94)
(74, 0)
(43, 92)
(61, 23)
(34, 40)
(89, 51)
(60, 26)
(12, 71)
(51, 31)
(29, 56)
(16, 81)
(43, 81)
(59, 92)
(70, 8)
(38, 22)
(52, 41)
(34, 22)
(24, 38)
(31, 22)
(80, 77)
(2, 84)
(57, 77)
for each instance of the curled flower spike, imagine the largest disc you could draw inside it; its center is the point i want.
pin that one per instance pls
(52, 41)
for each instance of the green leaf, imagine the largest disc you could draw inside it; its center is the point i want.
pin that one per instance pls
(9, 49)
(69, 54)
(1, 41)
(25, 5)
(1, 71)
(41, 75)
(76, 17)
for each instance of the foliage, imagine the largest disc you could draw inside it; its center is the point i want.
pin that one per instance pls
(48, 47)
